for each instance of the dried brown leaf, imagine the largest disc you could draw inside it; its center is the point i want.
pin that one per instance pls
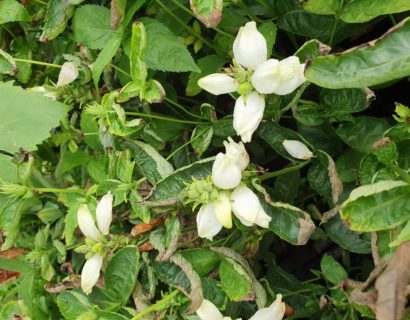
(145, 227)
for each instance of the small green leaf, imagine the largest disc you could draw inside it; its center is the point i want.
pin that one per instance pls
(403, 236)
(209, 12)
(268, 30)
(201, 138)
(12, 10)
(235, 282)
(125, 166)
(332, 270)
(202, 260)
(311, 49)
(321, 6)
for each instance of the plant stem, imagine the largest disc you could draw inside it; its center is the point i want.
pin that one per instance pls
(332, 33)
(296, 98)
(40, 63)
(399, 171)
(57, 190)
(152, 116)
(284, 171)
(176, 104)
(120, 70)
(159, 305)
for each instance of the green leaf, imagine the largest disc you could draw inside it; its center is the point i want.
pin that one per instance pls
(57, 15)
(209, 12)
(151, 164)
(24, 112)
(309, 114)
(201, 138)
(121, 273)
(235, 282)
(7, 64)
(91, 26)
(117, 12)
(268, 30)
(138, 69)
(125, 166)
(289, 222)
(348, 164)
(165, 52)
(332, 270)
(403, 236)
(208, 64)
(321, 6)
(377, 62)
(382, 205)
(171, 186)
(363, 133)
(311, 49)
(366, 10)
(8, 170)
(203, 260)
(12, 10)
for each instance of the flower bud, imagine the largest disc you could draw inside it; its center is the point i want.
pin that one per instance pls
(104, 213)
(222, 209)
(247, 208)
(275, 311)
(290, 74)
(208, 311)
(68, 74)
(249, 47)
(91, 273)
(225, 172)
(297, 149)
(247, 115)
(207, 223)
(237, 152)
(86, 223)
(218, 83)
(265, 79)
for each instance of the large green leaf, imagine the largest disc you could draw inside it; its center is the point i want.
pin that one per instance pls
(365, 10)
(379, 206)
(164, 50)
(202, 260)
(12, 10)
(151, 164)
(376, 62)
(26, 117)
(171, 186)
(8, 170)
(235, 282)
(121, 273)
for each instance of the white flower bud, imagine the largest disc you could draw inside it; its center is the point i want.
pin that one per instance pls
(207, 223)
(68, 74)
(247, 208)
(237, 152)
(247, 116)
(275, 311)
(208, 311)
(249, 47)
(218, 83)
(86, 223)
(290, 74)
(297, 149)
(91, 273)
(104, 213)
(225, 172)
(44, 91)
(222, 209)
(266, 79)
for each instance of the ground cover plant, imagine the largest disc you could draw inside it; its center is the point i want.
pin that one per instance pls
(172, 159)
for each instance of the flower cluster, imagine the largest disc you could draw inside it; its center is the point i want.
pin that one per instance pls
(276, 311)
(92, 267)
(253, 75)
(232, 196)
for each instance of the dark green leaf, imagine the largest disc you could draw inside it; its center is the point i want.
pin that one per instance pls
(321, 6)
(201, 138)
(332, 270)
(311, 49)
(202, 260)
(268, 30)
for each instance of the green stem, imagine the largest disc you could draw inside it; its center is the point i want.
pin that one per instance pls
(284, 171)
(309, 102)
(399, 171)
(393, 19)
(158, 306)
(176, 104)
(333, 32)
(40, 63)
(183, 146)
(57, 190)
(189, 29)
(296, 98)
(120, 70)
(152, 116)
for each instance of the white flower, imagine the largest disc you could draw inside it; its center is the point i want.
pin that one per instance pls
(249, 47)
(279, 77)
(247, 208)
(218, 83)
(68, 74)
(237, 152)
(297, 149)
(247, 115)
(208, 311)
(207, 223)
(104, 213)
(86, 223)
(91, 273)
(275, 311)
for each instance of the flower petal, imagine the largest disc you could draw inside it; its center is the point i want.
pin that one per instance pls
(275, 311)
(266, 79)
(86, 223)
(208, 311)
(245, 205)
(297, 149)
(249, 47)
(104, 213)
(237, 152)
(247, 116)
(91, 273)
(223, 210)
(207, 223)
(262, 219)
(218, 83)
(225, 173)
(290, 74)
(68, 74)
